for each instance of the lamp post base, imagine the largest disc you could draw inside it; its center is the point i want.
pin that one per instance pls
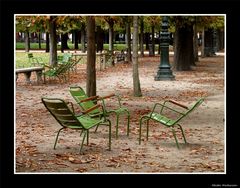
(164, 75)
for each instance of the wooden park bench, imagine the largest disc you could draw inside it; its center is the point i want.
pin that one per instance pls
(27, 72)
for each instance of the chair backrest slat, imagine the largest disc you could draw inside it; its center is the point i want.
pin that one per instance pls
(61, 112)
(79, 94)
(194, 106)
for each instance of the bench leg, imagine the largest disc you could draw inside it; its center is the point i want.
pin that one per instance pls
(27, 76)
(39, 76)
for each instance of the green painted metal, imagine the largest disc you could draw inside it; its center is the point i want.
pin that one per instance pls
(79, 94)
(180, 111)
(164, 69)
(34, 61)
(67, 119)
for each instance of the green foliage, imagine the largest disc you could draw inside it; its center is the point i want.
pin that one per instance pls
(201, 21)
(23, 23)
(150, 21)
(32, 23)
(65, 24)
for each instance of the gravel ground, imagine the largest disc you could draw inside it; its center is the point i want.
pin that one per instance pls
(204, 129)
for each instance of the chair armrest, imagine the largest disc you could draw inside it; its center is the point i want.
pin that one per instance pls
(176, 103)
(89, 99)
(108, 96)
(91, 109)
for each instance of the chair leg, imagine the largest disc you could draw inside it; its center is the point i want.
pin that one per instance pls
(147, 127)
(174, 134)
(81, 133)
(128, 123)
(110, 134)
(182, 133)
(87, 137)
(82, 141)
(140, 129)
(100, 117)
(96, 128)
(57, 137)
(117, 125)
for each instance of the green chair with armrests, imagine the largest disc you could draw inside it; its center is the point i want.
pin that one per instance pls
(67, 118)
(79, 95)
(170, 114)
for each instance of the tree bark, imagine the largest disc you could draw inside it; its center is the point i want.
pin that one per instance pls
(64, 40)
(91, 57)
(136, 82)
(47, 42)
(221, 39)
(27, 41)
(111, 23)
(39, 40)
(153, 43)
(208, 42)
(203, 43)
(111, 37)
(142, 38)
(76, 39)
(128, 32)
(159, 42)
(184, 56)
(99, 38)
(83, 49)
(195, 43)
(147, 40)
(53, 41)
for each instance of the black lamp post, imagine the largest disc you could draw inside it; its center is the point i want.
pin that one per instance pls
(164, 69)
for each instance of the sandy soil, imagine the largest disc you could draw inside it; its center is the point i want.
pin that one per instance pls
(204, 128)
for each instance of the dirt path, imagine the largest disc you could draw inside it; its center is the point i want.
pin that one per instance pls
(205, 131)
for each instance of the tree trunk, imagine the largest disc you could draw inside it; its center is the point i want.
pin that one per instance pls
(221, 39)
(136, 82)
(128, 32)
(76, 39)
(111, 37)
(83, 49)
(209, 43)
(195, 43)
(47, 42)
(39, 40)
(53, 42)
(64, 40)
(142, 38)
(27, 41)
(203, 43)
(152, 51)
(184, 57)
(99, 38)
(91, 57)
(159, 42)
(147, 40)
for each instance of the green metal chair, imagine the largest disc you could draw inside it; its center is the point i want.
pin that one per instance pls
(35, 61)
(169, 115)
(79, 95)
(68, 119)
